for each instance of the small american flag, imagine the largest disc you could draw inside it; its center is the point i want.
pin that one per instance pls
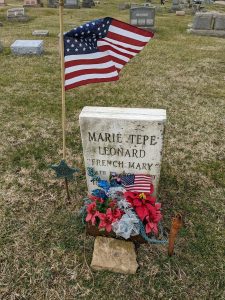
(98, 50)
(137, 183)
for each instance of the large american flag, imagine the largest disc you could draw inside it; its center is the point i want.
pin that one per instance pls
(98, 50)
(137, 183)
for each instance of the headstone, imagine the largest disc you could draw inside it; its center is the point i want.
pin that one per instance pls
(21, 47)
(178, 5)
(88, 3)
(209, 24)
(121, 140)
(72, 4)
(143, 17)
(203, 21)
(180, 13)
(2, 3)
(40, 32)
(16, 14)
(114, 255)
(53, 3)
(32, 3)
(219, 22)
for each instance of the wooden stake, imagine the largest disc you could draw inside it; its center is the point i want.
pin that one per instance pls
(177, 223)
(61, 5)
(67, 189)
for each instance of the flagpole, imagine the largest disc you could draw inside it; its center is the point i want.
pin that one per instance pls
(61, 5)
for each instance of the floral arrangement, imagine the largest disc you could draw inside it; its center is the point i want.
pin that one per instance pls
(122, 206)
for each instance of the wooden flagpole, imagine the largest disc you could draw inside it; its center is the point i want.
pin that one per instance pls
(61, 5)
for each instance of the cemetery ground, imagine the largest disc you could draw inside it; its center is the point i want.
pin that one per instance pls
(43, 248)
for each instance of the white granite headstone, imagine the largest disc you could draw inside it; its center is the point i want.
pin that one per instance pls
(21, 47)
(121, 140)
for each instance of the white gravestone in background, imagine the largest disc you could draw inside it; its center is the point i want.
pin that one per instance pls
(120, 140)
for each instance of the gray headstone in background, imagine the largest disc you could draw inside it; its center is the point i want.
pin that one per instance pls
(32, 3)
(178, 5)
(121, 140)
(53, 3)
(219, 23)
(21, 47)
(88, 3)
(72, 4)
(143, 17)
(16, 14)
(203, 21)
(2, 3)
(40, 32)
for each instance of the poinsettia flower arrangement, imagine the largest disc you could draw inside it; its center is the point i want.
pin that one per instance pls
(115, 208)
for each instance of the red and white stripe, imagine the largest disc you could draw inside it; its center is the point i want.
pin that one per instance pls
(122, 43)
(89, 68)
(142, 184)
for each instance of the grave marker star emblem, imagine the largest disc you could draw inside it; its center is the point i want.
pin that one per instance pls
(63, 170)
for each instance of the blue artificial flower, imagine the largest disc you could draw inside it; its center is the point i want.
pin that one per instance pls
(99, 194)
(104, 185)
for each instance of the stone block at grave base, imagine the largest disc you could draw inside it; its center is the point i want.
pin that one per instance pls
(215, 33)
(22, 47)
(40, 32)
(114, 255)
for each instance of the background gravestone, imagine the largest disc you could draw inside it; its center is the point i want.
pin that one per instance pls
(209, 24)
(16, 14)
(88, 3)
(203, 21)
(143, 17)
(120, 140)
(2, 3)
(53, 3)
(219, 22)
(32, 3)
(72, 4)
(21, 47)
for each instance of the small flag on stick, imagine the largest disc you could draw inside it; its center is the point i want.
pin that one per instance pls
(98, 50)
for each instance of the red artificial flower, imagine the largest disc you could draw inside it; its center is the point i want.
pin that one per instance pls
(92, 213)
(108, 218)
(153, 219)
(141, 202)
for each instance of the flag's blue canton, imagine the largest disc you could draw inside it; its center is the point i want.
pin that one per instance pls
(83, 39)
(127, 179)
